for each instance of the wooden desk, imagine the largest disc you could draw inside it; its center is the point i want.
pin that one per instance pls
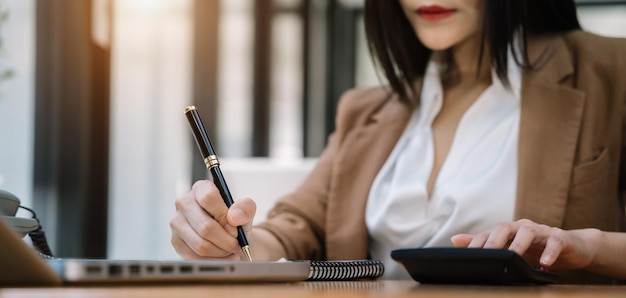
(397, 289)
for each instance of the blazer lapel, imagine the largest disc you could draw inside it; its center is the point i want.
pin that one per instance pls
(551, 113)
(365, 151)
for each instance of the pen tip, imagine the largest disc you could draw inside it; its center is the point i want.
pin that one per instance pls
(189, 108)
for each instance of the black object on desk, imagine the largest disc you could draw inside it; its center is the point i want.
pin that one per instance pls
(470, 266)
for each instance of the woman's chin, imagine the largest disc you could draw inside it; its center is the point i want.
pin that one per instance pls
(438, 47)
(437, 43)
(439, 40)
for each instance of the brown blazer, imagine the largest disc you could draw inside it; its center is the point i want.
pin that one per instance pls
(571, 139)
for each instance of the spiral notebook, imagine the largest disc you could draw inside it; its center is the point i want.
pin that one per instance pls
(344, 270)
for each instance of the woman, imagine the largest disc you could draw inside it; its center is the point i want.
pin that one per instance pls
(497, 110)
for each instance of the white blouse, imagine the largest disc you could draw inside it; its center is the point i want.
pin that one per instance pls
(476, 185)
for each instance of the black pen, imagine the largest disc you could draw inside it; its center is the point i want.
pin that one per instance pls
(213, 165)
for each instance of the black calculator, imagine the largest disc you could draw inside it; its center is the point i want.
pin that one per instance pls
(470, 266)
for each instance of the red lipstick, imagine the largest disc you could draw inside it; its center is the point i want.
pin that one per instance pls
(434, 12)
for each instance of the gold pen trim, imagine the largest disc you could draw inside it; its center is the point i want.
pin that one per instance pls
(189, 108)
(211, 161)
(247, 253)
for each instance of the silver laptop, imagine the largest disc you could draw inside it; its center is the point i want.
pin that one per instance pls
(21, 265)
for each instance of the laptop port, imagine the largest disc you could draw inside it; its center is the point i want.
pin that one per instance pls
(210, 269)
(134, 270)
(115, 270)
(93, 270)
(167, 269)
(186, 269)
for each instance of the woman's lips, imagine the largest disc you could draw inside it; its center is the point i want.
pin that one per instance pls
(434, 12)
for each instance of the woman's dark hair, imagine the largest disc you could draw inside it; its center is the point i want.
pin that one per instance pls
(403, 58)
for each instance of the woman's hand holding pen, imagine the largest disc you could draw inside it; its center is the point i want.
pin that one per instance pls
(204, 228)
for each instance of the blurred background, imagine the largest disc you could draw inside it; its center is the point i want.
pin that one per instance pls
(92, 92)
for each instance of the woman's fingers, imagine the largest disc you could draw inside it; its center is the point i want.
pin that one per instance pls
(184, 235)
(198, 222)
(554, 246)
(526, 234)
(187, 252)
(539, 244)
(461, 240)
(208, 197)
(501, 235)
(241, 213)
(518, 236)
(209, 230)
(524, 237)
(203, 227)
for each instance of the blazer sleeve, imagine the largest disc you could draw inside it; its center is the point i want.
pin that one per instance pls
(298, 220)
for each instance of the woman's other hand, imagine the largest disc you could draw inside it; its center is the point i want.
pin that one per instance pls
(204, 228)
(542, 245)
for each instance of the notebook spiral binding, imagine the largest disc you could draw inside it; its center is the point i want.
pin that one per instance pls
(346, 270)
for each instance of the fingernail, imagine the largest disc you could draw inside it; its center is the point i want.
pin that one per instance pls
(546, 260)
